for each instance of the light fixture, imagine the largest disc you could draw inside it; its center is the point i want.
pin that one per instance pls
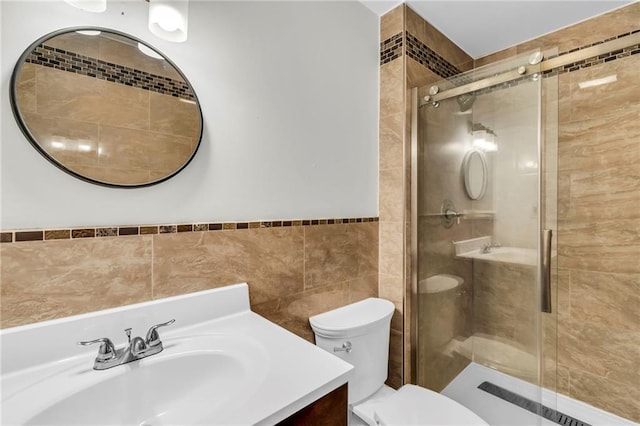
(169, 19)
(484, 138)
(95, 6)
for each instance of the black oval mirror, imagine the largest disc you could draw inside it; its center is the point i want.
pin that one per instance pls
(106, 107)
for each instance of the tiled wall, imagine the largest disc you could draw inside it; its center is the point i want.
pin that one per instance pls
(413, 53)
(596, 334)
(294, 269)
(598, 306)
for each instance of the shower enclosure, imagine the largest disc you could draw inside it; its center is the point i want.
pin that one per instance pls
(484, 208)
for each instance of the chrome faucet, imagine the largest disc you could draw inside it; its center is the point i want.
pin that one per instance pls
(138, 348)
(486, 248)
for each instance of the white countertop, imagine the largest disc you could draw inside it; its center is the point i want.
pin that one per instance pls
(292, 373)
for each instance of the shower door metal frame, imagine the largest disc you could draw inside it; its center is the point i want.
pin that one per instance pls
(545, 65)
(416, 103)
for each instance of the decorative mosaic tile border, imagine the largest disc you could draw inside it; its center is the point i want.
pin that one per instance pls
(429, 58)
(391, 48)
(118, 231)
(65, 60)
(596, 60)
(574, 66)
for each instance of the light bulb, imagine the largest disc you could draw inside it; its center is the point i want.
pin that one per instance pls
(168, 19)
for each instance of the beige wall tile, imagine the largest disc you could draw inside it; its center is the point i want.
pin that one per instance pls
(73, 96)
(603, 142)
(564, 98)
(70, 142)
(363, 287)
(391, 253)
(563, 292)
(270, 260)
(443, 46)
(563, 380)
(496, 56)
(395, 376)
(26, 88)
(313, 302)
(391, 288)
(599, 28)
(392, 23)
(338, 253)
(295, 309)
(173, 116)
(418, 75)
(609, 353)
(619, 398)
(391, 194)
(414, 24)
(54, 279)
(606, 245)
(609, 300)
(612, 98)
(140, 149)
(78, 43)
(113, 175)
(391, 151)
(438, 42)
(392, 88)
(127, 54)
(600, 193)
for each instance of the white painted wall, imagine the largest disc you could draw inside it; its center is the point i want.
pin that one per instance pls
(289, 93)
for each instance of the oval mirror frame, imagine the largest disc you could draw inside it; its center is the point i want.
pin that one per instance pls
(474, 170)
(159, 153)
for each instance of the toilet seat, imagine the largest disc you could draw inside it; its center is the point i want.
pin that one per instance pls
(414, 405)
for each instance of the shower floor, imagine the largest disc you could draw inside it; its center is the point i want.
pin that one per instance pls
(497, 412)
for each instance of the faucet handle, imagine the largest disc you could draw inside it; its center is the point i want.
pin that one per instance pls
(153, 338)
(106, 351)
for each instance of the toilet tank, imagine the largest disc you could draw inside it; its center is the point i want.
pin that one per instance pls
(359, 334)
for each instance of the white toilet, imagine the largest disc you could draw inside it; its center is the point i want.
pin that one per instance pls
(359, 334)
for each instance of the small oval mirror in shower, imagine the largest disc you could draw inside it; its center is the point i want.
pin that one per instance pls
(474, 169)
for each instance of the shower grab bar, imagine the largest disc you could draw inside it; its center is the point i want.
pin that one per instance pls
(545, 294)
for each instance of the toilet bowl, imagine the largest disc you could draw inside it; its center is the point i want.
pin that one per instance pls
(359, 334)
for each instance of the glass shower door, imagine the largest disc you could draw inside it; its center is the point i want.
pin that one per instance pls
(485, 194)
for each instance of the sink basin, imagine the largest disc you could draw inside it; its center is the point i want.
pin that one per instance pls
(222, 364)
(187, 383)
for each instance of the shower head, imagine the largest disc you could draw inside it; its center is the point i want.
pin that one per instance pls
(465, 101)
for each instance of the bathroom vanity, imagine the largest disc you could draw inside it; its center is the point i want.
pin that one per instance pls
(221, 363)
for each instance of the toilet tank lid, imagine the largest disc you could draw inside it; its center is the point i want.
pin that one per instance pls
(353, 319)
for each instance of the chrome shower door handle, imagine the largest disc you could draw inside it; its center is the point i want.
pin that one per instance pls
(545, 293)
